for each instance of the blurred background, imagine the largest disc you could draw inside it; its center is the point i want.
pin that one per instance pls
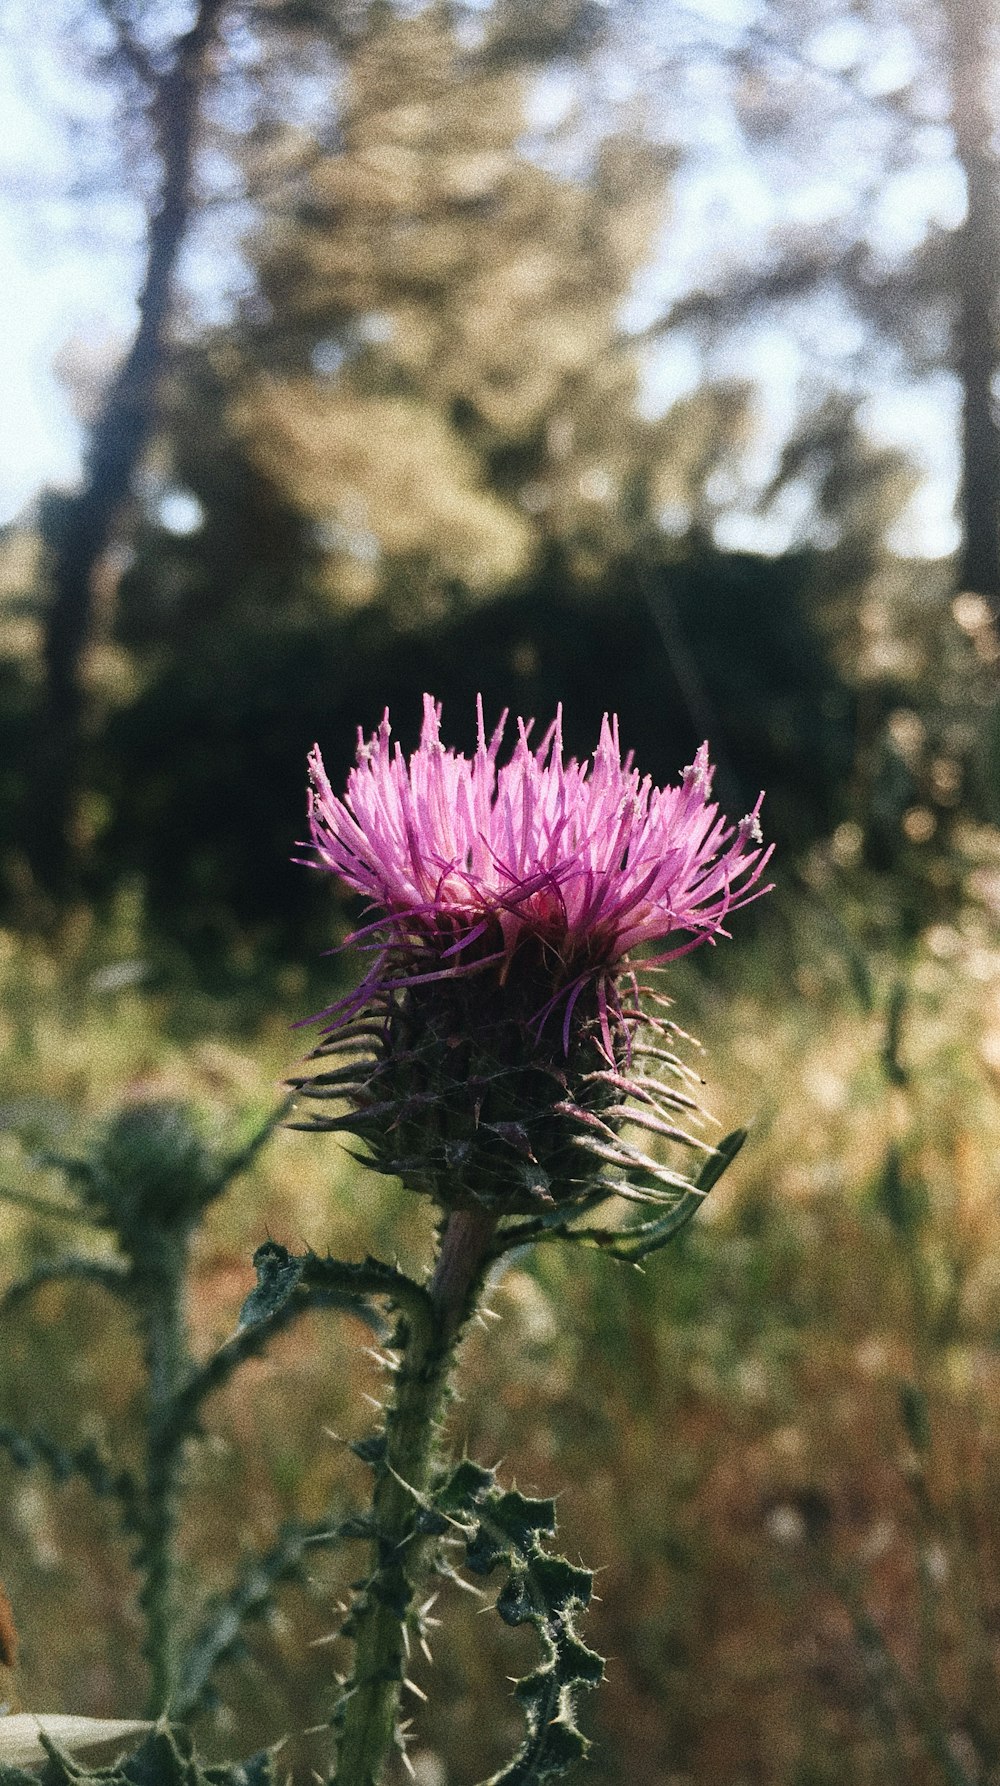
(635, 355)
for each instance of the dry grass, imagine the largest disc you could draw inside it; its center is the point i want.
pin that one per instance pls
(791, 1591)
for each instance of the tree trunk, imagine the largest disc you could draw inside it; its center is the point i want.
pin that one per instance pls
(82, 527)
(974, 280)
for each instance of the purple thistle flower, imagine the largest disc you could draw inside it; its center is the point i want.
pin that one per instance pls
(587, 859)
(538, 876)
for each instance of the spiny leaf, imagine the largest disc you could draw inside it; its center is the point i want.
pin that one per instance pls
(279, 1274)
(720, 1161)
(38, 1450)
(504, 1529)
(103, 1272)
(92, 1739)
(251, 1597)
(46, 1206)
(288, 1286)
(636, 1243)
(514, 1521)
(286, 1280)
(165, 1758)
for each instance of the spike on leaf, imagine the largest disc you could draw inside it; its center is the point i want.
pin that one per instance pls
(504, 1530)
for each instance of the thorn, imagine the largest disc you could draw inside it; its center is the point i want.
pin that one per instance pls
(426, 1503)
(373, 1401)
(491, 1314)
(422, 1500)
(389, 1364)
(317, 1776)
(415, 1689)
(428, 1603)
(406, 1642)
(328, 1433)
(407, 1763)
(316, 1643)
(465, 1585)
(426, 1648)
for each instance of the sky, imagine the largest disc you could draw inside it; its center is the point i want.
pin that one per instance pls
(52, 288)
(61, 285)
(42, 304)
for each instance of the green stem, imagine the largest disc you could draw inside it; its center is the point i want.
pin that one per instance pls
(166, 1356)
(370, 1705)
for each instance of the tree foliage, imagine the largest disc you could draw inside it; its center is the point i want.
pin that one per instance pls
(420, 434)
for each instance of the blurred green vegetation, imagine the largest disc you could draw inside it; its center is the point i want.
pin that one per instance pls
(725, 1430)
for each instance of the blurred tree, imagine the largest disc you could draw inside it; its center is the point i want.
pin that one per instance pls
(420, 454)
(871, 132)
(204, 771)
(970, 42)
(431, 372)
(159, 81)
(876, 122)
(426, 400)
(422, 397)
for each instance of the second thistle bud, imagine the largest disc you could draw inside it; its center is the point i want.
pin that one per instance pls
(148, 1173)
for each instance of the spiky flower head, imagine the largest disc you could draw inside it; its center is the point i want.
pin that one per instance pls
(498, 1023)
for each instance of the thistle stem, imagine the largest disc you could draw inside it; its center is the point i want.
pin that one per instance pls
(369, 1709)
(166, 1358)
(465, 1247)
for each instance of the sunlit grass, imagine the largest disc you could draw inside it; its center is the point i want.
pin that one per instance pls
(723, 1429)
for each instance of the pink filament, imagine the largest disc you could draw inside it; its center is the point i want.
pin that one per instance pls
(590, 858)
